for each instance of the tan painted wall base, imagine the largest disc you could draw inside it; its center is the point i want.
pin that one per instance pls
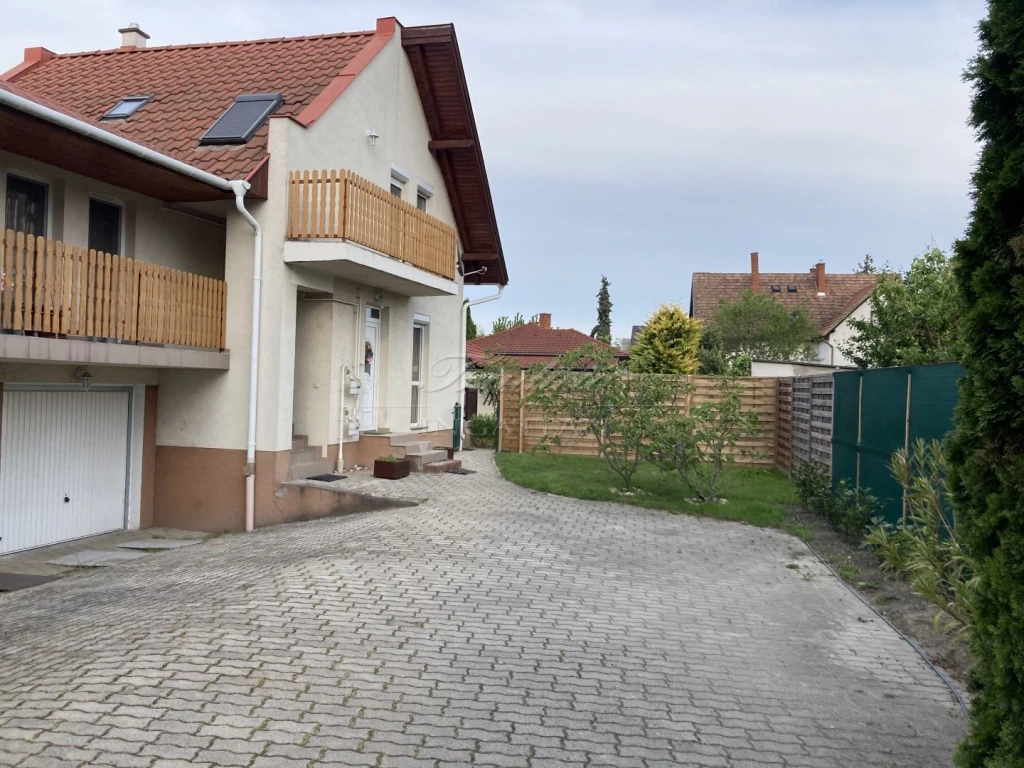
(372, 447)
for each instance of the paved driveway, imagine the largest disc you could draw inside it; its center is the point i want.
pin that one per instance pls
(491, 626)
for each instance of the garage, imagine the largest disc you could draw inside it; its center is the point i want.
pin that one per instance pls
(64, 459)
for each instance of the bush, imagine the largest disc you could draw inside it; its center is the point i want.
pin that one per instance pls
(698, 445)
(595, 396)
(926, 549)
(483, 428)
(846, 509)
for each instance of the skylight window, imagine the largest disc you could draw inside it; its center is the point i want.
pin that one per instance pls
(776, 289)
(242, 119)
(126, 107)
(791, 288)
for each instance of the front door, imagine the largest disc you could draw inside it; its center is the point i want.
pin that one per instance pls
(371, 361)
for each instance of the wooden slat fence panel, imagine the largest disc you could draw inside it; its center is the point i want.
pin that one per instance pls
(784, 426)
(342, 204)
(810, 404)
(821, 421)
(759, 395)
(57, 288)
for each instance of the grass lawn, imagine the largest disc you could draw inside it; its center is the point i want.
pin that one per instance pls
(756, 496)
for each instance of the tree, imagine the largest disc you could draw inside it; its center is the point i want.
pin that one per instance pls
(915, 317)
(603, 330)
(758, 326)
(589, 392)
(867, 265)
(505, 323)
(987, 450)
(668, 343)
(471, 332)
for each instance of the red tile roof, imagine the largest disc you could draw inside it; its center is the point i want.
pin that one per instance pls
(843, 293)
(191, 86)
(531, 344)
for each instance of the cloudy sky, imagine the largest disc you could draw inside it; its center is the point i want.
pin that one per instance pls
(645, 140)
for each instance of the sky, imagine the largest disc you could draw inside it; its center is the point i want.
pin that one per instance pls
(650, 139)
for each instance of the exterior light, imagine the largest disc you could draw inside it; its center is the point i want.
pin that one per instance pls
(372, 136)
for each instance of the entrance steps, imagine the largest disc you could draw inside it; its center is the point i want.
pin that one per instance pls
(422, 454)
(306, 461)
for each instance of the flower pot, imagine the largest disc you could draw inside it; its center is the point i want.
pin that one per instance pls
(391, 470)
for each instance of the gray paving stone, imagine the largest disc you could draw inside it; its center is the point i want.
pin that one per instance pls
(490, 624)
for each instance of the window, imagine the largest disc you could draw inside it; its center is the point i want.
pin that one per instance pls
(399, 177)
(242, 119)
(791, 288)
(423, 193)
(419, 335)
(104, 226)
(126, 107)
(26, 206)
(396, 188)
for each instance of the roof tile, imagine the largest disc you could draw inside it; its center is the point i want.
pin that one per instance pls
(531, 344)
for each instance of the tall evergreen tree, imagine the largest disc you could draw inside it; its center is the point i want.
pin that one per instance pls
(987, 449)
(603, 330)
(471, 331)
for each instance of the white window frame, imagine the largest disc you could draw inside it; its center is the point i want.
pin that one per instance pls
(425, 191)
(124, 210)
(38, 179)
(399, 178)
(422, 323)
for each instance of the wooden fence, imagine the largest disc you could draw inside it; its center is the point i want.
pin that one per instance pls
(341, 204)
(805, 407)
(62, 289)
(523, 426)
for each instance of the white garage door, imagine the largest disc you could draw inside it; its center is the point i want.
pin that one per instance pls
(63, 465)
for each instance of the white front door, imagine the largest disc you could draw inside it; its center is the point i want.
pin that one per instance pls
(63, 465)
(371, 360)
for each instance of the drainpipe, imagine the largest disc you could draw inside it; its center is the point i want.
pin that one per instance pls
(239, 188)
(465, 308)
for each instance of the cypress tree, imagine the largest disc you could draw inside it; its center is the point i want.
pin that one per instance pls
(603, 330)
(987, 448)
(471, 331)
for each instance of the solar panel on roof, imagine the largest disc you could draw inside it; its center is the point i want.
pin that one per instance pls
(126, 107)
(242, 119)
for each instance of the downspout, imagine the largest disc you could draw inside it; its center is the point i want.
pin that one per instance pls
(239, 188)
(465, 309)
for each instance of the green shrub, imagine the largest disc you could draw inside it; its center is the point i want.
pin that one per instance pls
(484, 429)
(698, 445)
(926, 549)
(847, 509)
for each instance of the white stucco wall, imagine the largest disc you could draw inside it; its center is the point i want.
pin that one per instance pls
(844, 333)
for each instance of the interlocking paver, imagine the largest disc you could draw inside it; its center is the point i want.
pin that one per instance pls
(489, 625)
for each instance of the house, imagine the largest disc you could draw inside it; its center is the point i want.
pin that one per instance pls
(831, 300)
(524, 347)
(229, 266)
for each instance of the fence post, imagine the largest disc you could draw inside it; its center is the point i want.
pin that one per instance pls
(522, 405)
(860, 423)
(501, 408)
(906, 441)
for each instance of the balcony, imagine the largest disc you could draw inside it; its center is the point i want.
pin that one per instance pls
(340, 223)
(65, 303)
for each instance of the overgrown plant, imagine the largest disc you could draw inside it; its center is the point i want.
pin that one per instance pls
(483, 427)
(926, 548)
(698, 445)
(592, 395)
(847, 509)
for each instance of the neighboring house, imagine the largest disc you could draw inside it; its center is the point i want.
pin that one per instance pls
(524, 347)
(831, 300)
(153, 196)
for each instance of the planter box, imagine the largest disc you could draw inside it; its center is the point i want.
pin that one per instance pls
(451, 453)
(391, 470)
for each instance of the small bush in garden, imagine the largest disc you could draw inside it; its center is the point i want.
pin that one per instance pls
(593, 395)
(483, 428)
(847, 509)
(814, 485)
(698, 445)
(926, 549)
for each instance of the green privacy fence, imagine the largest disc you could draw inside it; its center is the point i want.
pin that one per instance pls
(877, 412)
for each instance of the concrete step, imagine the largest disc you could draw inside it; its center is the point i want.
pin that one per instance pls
(421, 460)
(405, 438)
(304, 456)
(417, 448)
(300, 442)
(439, 467)
(309, 468)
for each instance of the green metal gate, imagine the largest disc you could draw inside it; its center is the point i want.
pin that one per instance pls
(877, 412)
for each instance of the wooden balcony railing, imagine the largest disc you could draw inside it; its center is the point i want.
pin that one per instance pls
(340, 204)
(57, 288)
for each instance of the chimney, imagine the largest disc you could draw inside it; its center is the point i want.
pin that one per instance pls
(819, 276)
(544, 320)
(133, 37)
(755, 273)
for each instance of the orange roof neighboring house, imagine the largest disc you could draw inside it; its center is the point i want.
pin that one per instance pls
(828, 298)
(533, 343)
(191, 86)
